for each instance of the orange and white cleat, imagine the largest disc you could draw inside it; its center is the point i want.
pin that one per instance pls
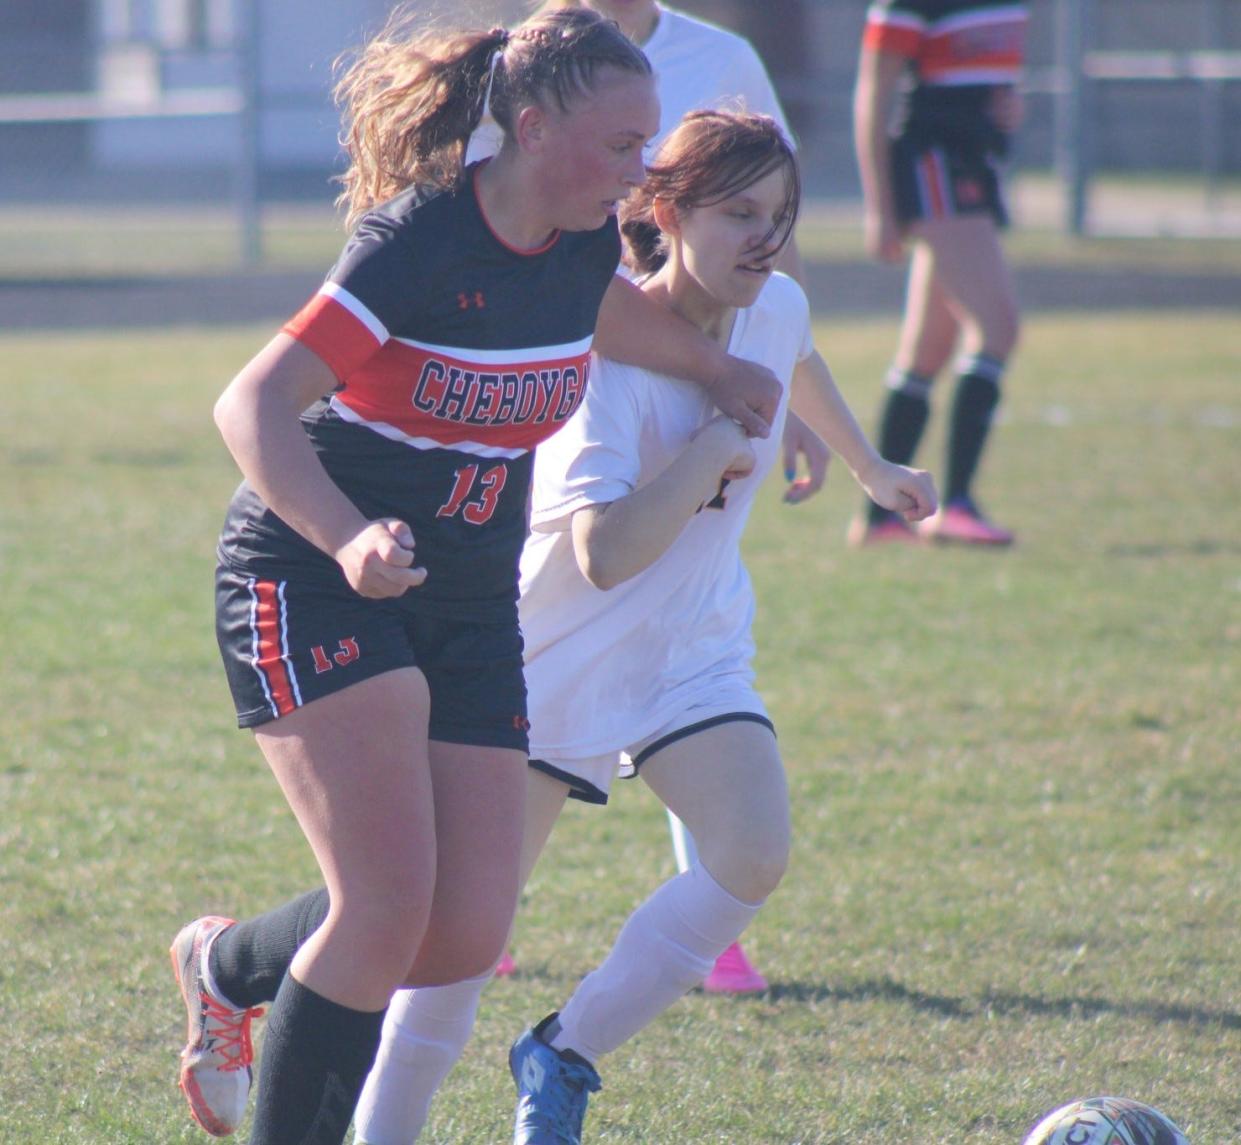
(733, 973)
(218, 1056)
(961, 522)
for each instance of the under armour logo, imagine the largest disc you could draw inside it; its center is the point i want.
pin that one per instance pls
(334, 1112)
(466, 299)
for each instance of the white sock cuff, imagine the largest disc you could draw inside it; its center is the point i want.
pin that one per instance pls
(712, 911)
(982, 366)
(413, 1013)
(665, 948)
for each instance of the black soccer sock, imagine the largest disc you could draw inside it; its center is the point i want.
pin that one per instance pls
(248, 961)
(902, 422)
(973, 406)
(316, 1055)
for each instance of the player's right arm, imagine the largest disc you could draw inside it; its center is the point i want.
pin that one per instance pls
(634, 329)
(616, 540)
(258, 416)
(874, 96)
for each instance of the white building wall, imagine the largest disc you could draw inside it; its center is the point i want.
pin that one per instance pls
(188, 43)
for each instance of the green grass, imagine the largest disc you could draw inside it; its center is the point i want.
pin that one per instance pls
(1014, 775)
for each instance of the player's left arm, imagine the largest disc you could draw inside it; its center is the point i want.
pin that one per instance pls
(816, 398)
(799, 439)
(1006, 107)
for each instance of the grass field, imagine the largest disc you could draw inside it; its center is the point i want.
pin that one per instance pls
(1017, 867)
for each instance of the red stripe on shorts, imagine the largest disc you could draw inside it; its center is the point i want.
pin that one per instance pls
(268, 625)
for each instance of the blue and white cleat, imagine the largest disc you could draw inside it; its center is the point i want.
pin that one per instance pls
(553, 1087)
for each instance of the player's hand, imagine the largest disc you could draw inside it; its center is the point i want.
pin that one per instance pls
(733, 450)
(1007, 108)
(909, 492)
(378, 561)
(801, 441)
(748, 393)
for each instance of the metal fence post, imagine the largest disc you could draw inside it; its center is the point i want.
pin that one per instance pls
(1212, 107)
(246, 177)
(1072, 142)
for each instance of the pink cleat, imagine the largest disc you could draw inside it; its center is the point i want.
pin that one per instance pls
(888, 530)
(505, 966)
(734, 974)
(961, 523)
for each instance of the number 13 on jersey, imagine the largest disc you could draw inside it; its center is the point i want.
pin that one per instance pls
(475, 497)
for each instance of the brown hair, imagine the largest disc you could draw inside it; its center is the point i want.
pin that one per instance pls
(709, 156)
(413, 96)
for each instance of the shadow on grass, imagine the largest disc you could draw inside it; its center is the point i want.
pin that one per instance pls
(946, 1006)
(889, 990)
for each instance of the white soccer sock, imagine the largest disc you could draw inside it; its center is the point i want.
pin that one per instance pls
(666, 947)
(424, 1033)
(683, 846)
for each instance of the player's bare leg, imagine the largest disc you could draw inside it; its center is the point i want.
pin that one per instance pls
(727, 783)
(426, 1029)
(970, 271)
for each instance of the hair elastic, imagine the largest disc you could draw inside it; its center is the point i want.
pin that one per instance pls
(502, 35)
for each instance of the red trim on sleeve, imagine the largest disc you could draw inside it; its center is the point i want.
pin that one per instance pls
(895, 39)
(340, 339)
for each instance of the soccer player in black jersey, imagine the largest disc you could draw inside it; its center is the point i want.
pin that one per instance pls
(949, 71)
(367, 573)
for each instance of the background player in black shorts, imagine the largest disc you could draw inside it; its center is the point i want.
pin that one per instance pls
(367, 580)
(935, 104)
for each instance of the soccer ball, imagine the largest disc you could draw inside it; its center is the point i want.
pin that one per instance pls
(1105, 1121)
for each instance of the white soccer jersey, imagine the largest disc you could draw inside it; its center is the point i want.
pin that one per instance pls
(606, 669)
(697, 65)
(701, 65)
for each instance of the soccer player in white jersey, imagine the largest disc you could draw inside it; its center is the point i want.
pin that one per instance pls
(698, 64)
(636, 611)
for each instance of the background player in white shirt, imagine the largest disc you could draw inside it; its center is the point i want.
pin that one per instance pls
(636, 610)
(698, 64)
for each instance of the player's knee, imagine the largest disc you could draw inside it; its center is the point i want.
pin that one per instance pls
(1002, 330)
(764, 873)
(751, 868)
(382, 936)
(468, 951)
(479, 956)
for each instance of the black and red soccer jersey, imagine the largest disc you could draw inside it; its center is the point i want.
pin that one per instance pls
(958, 52)
(456, 355)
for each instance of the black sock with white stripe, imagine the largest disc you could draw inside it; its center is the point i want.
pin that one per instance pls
(973, 408)
(902, 422)
(247, 962)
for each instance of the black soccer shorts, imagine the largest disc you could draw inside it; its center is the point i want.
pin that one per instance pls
(938, 182)
(286, 643)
